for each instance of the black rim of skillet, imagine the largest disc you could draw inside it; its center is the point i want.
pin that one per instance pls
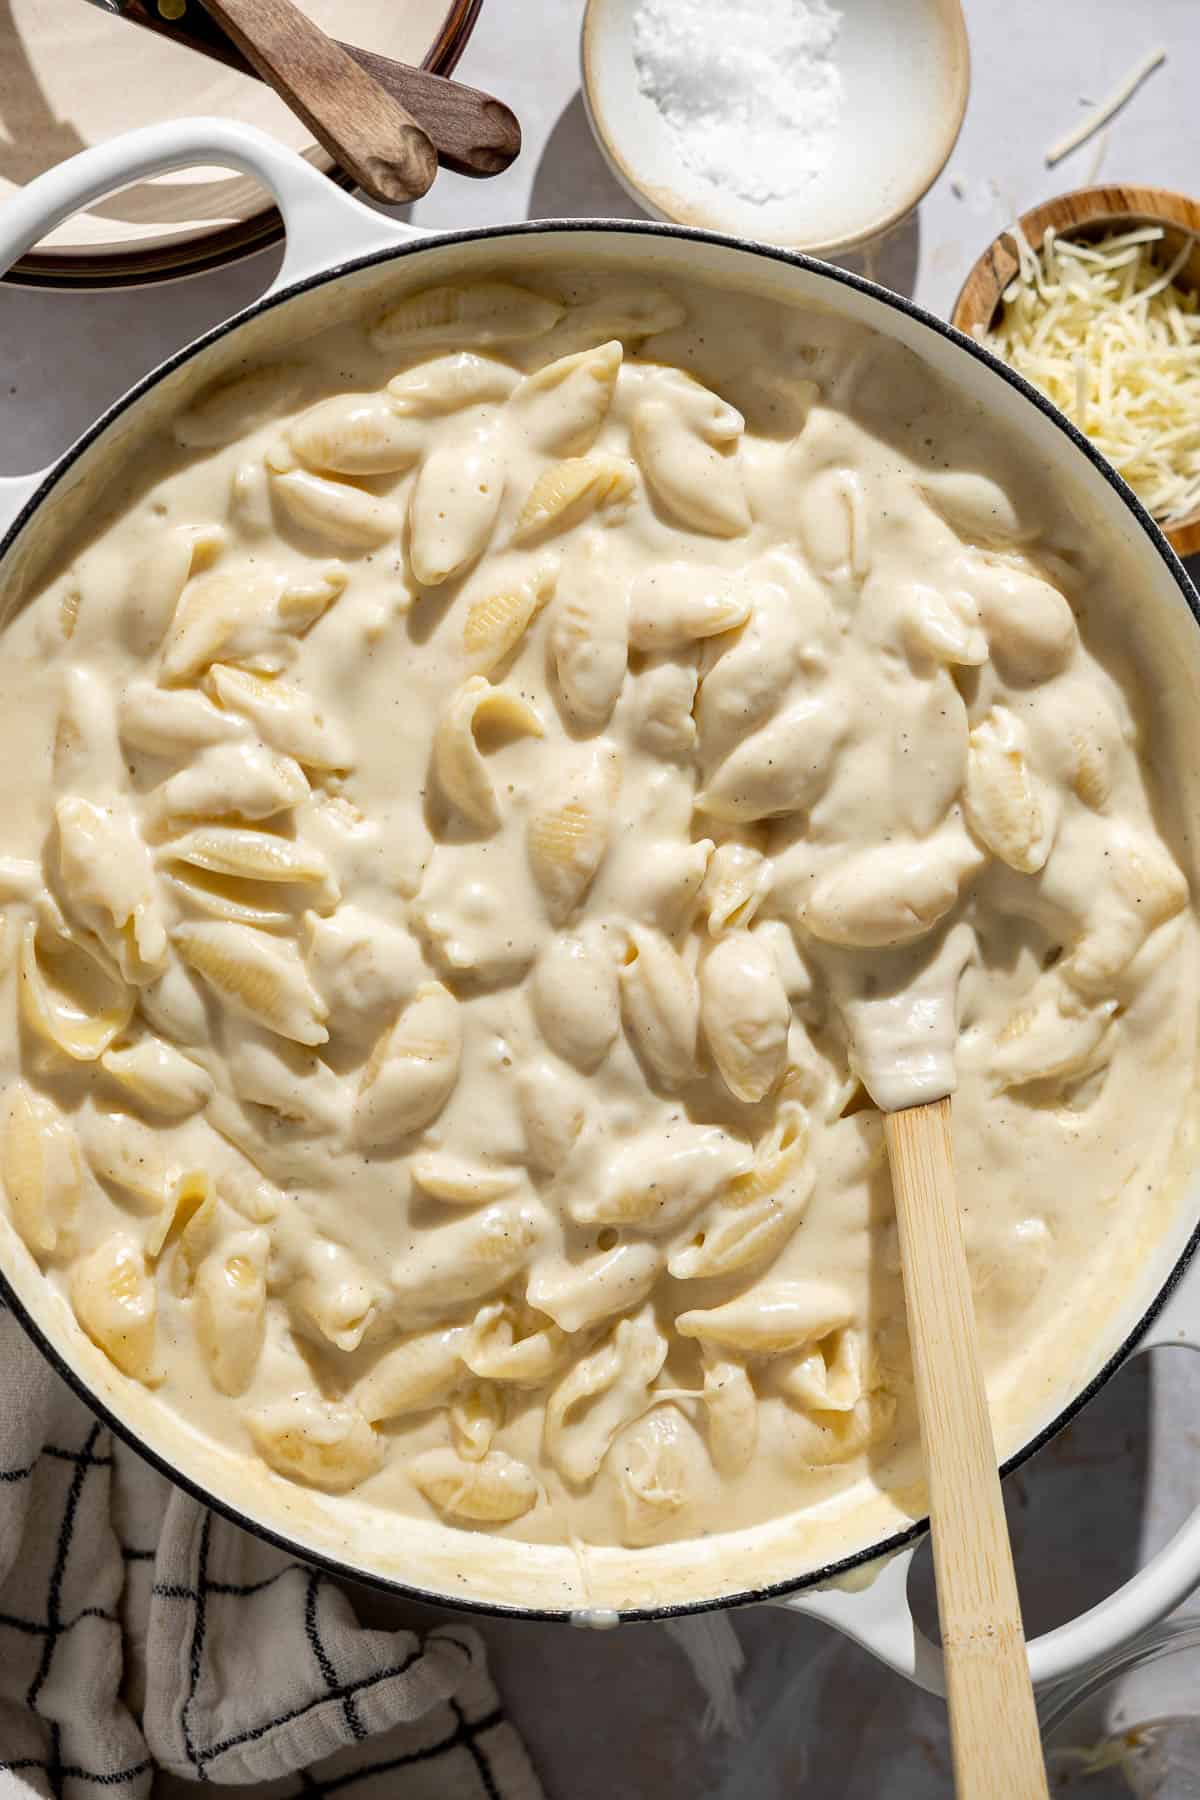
(885, 1547)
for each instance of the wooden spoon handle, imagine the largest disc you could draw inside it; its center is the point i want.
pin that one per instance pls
(375, 139)
(993, 1723)
(473, 132)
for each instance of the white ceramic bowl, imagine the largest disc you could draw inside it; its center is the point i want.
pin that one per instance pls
(905, 67)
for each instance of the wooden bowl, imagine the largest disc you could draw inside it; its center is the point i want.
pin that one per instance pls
(1088, 212)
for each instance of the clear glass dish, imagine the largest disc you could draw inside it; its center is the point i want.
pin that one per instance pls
(1131, 1726)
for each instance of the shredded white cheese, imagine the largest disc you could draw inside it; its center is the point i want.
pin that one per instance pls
(1105, 332)
(1107, 108)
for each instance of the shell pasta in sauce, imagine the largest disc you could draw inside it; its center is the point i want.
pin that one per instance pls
(506, 792)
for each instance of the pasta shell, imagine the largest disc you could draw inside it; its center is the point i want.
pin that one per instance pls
(736, 882)
(561, 407)
(576, 1000)
(247, 616)
(159, 578)
(451, 1265)
(788, 1315)
(453, 508)
(944, 627)
(513, 1344)
(159, 1078)
(486, 312)
(736, 1240)
(1146, 889)
(782, 768)
(892, 894)
(630, 313)
(258, 978)
(588, 637)
(976, 507)
(1031, 630)
(115, 1301)
(237, 902)
(174, 723)
(361, 965)
(829, 1377)
(568, 833)
(693, 481)
(755, 666)
(174, 1006)
(476, 1415)
(458, 762)
(782, 1156)
(493, 1491)
(661, 1178)
(579, 1295)
(250, 501)
(654, 1474)
(253, 856)
(413, 1375)
(565, 493)
(676, 604)
(108, 878)
(82, 1009)
(664, 698)
(448, 383)
(832, 525)
(356, 434)
(1057, 1036)
(42, 1170)
(334, 1295)
(335, 512)
(232, 781)
(496, 623)
(459, 1182)
(229, 1305)
(413, 1068)
(285, 716)
(732, 1408)
(250, 1194)
(231, 409)
(661, 1006)
(1091, 776)
(600, 1395)
(87, 754)
(1001, 799)
(326, 1443)
(822, 1439)
(292, 1083)
(745, 1015)
(553, 1114)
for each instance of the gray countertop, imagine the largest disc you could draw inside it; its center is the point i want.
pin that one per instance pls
(620, 1713)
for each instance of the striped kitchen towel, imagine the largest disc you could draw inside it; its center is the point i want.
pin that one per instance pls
(140, 1633)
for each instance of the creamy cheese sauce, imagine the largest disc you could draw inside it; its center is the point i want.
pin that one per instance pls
(505, 795)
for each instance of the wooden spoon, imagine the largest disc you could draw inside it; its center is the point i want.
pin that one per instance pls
(365, 129)
(993, 1722)
(473, 132)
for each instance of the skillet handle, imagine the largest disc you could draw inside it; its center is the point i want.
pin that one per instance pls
(873, 1607)
(324, 225)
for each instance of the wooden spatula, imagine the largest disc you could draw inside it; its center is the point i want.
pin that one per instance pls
(993, 1724)
(365, 129)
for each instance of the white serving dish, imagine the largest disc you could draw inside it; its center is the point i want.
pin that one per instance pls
(846, 1562)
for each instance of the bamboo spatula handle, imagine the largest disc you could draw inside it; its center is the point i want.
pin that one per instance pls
(994, 1731)
(366, 130)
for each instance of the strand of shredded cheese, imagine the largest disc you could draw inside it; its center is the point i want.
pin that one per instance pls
(1106, 109)
(1102, 329)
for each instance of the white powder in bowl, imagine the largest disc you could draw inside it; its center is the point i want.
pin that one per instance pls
(749, 88)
